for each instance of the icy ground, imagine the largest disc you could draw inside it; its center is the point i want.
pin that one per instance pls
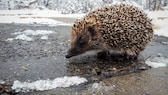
(34, 17)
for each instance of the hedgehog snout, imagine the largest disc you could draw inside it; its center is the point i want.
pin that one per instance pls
(69, 54)
(72, 52)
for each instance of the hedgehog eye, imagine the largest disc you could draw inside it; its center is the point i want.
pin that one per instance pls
(81, 43)
(91, 31)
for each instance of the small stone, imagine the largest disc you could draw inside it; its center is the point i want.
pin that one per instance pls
(159, 55)
(114, 69)
(165, 43)
(23, 68)
(133, 78)
(2, 82)
(143, 68)
(95, 79)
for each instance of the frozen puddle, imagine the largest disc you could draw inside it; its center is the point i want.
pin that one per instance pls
(157, 62)
(41, 85)
(25, 35)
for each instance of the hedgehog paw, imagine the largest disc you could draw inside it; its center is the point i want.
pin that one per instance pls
(130, 57)
(105, 55)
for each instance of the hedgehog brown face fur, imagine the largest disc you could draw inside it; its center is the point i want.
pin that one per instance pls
(122, 27)
(81, 40)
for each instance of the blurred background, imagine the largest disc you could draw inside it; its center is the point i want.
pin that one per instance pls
(78, 6)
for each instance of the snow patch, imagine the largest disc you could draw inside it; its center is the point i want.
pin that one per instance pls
(31, 20)
(36, 14)
(102, 86)
(2, 82)
(160, 22)
(10, 39)
(41, 85)
(34, 32)
(44, 37)
(157, 14)
(23, 37)
(165, 43)
(162, 29)
(157, 62)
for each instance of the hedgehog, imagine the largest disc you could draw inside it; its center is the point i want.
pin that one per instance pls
(123, 28)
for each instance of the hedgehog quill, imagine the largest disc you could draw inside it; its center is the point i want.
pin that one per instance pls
(124, 28)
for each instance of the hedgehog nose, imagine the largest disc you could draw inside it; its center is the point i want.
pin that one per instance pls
(68, 56)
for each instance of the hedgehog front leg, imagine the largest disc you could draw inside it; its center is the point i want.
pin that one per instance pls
(128, 56)
(105, 55)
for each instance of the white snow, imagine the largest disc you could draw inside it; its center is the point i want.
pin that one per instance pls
(27, 35)
(162, 27)
(36, 14)
(45, 21)
(165, 43)
(74, 6)
(34, 32)
(157, 14)
(10, 39)
(157, 62)
(2, 82)
(35, 17)
(44, 37)
(102, 86)
(41, 85)
(160, 22)
(23, 37)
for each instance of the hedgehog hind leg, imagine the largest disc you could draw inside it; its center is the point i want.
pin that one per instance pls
(131, 54)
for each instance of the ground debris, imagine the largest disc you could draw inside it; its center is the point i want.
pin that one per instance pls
(132, 68)
(98, 69)
(6, 89)
(23, 68)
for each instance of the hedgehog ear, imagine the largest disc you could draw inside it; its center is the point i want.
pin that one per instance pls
(91, 31)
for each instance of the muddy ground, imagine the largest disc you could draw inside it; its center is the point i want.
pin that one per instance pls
(45, 59)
